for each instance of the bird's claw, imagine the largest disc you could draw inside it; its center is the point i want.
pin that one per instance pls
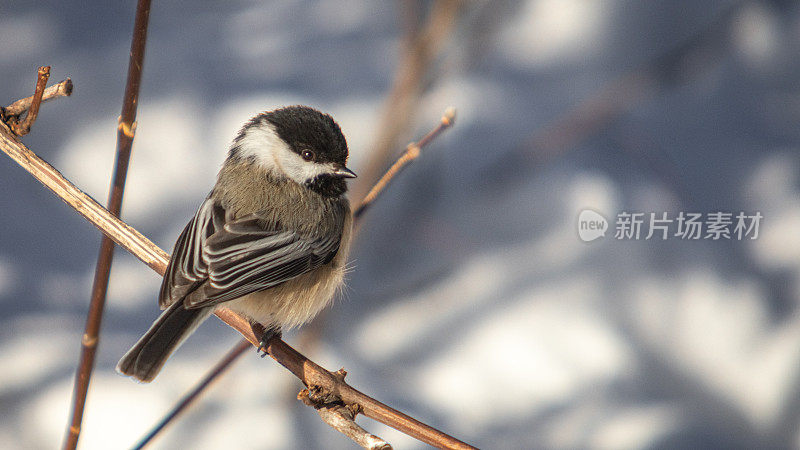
(264, 343)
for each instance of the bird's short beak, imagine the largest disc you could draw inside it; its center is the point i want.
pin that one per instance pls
(343, 172)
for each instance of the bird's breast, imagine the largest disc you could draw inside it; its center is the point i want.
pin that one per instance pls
(298, 300)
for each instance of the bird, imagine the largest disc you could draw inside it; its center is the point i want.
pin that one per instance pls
(270, 241)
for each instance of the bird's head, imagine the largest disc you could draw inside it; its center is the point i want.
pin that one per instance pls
(297, 143)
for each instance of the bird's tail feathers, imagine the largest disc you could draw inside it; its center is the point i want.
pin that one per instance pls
(145, 359)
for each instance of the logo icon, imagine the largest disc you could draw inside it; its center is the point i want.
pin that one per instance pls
(591, 225)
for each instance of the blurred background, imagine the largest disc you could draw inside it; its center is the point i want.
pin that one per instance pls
(472, 304)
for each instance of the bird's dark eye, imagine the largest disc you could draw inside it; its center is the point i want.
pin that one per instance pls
(308, 155)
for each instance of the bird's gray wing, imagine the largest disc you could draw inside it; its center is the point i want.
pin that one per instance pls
(245, 256)
(187, 269)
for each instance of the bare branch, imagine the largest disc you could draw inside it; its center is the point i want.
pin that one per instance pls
(218, 369)
(123, 234)
(21, 128)
(412, 152)
(16, 109)
(342, 419)
(94, 317)
(303, 368)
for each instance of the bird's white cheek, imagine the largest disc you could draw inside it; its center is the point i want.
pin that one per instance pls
(265, 146)
(300, 170)
(273, 154)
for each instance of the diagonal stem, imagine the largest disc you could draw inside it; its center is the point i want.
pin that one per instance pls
(412, 152)
(125, 136)
(221, 366)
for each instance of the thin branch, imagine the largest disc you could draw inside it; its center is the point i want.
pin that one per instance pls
(222, 366)
(21, 128)
(125, 134)
(303, 368)
(342, 418)
(16, 109)
(411, 153)
(336, 389)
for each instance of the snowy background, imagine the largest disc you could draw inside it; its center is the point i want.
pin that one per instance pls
(472, 305)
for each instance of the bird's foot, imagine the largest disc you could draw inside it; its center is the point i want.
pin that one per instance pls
(268, 334)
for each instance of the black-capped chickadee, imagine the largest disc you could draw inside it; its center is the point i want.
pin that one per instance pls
(270, 241)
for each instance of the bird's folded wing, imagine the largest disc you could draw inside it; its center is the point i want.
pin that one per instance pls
(187, 269)
(245, 256)
(223, 261)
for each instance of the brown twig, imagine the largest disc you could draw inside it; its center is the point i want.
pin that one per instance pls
(22, 127)
(125, 133)
(342, 418)
(16, 109)
(123, 234)
(223, 365)
(411, 153)
(422, 46)
(306, 370)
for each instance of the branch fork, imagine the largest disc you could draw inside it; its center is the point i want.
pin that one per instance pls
(320, 396)
(12, 114)
(339, 415)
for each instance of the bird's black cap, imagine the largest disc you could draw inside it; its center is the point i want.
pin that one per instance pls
(306, 128)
